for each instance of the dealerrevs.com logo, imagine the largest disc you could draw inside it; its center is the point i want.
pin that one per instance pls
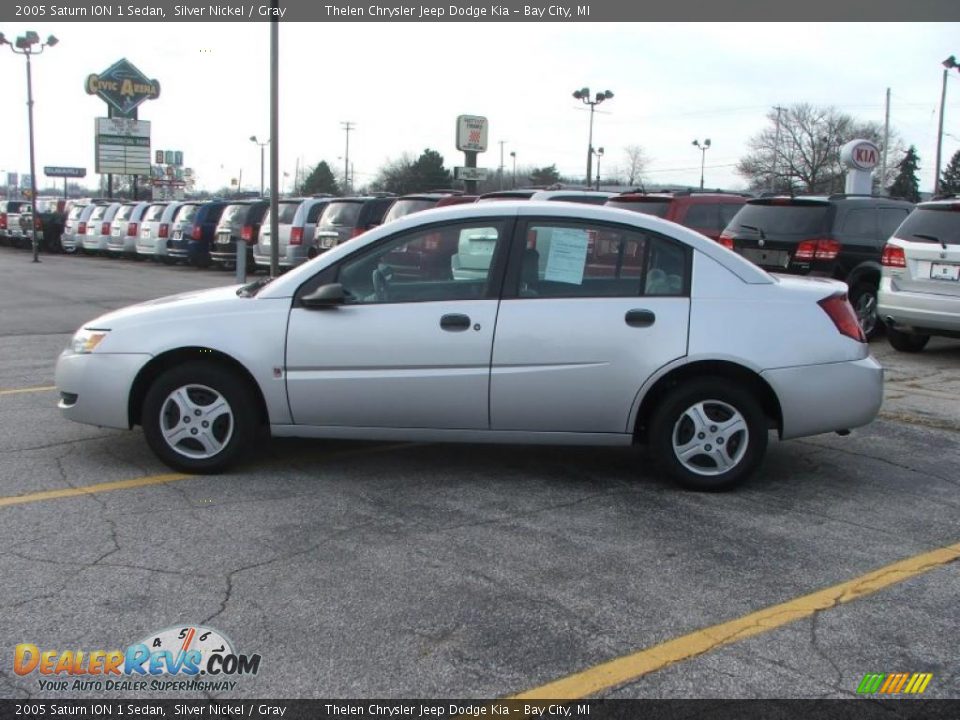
(175, 659)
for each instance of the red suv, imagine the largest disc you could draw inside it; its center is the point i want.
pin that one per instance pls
(706, 212)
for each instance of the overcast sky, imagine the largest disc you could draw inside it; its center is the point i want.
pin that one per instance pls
(403, 85)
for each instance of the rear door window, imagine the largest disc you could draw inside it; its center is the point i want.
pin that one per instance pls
(944, 225)
(785, 219)
(341, 213)
(154, 212)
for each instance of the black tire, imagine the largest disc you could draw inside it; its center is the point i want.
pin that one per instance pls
(907, 342)
(863, 298)
(716, 397)
(204, 384)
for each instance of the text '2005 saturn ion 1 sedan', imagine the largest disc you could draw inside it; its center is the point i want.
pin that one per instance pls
(575, 325)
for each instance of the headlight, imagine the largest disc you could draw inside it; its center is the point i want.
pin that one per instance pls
(85, 340)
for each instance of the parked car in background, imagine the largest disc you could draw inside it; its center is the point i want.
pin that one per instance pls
(407, 204)
(588, 197)
(239, 222)
(97, 233)
(125, 228)
(345, 218)
(456, 200)
(10, 232)
(155, 230)
(75, 228)
(296, 221)
(920, 287)
(837, 236)
(48, 223)
(193, 231)
(516, 194)
(704, 211)
(595, 354)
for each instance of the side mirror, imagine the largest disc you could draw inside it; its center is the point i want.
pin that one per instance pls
(325, 296)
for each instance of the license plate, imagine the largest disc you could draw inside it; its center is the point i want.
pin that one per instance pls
(767, 258)
(223, 238)
(116, 232)
(177, 234)
(942, 271)
(145, 233)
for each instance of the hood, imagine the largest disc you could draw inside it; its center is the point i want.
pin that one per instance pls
(181, 305)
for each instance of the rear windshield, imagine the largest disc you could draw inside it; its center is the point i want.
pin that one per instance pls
(124, 212)
(782, 219)
(186, 213)
(154, 212)
(647, 207)
(14, 207)
(341, 213)
(98, 212)
(75, 212)
(942, 224)
(408, 206)
(286, 212)
(234, 213)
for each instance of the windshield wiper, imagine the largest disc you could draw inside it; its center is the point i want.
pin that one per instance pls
(253, 288)
(933, 238)
(756, 229)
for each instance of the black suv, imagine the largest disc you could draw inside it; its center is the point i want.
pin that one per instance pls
(836, 236)
(240, 222)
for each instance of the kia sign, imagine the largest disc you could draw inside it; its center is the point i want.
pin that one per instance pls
(860, 155)
(860, 158)
(471, 133)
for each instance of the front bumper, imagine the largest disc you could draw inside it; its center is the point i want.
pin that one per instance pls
(95, 387)
(828, 397)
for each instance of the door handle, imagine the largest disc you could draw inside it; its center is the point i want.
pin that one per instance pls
(455, 322)
(640, 318)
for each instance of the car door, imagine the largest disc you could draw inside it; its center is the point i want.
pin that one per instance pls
(401, 351)
(590, 311)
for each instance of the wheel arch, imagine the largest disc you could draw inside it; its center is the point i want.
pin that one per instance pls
(868, 271)
(172, 358)
(726, 369)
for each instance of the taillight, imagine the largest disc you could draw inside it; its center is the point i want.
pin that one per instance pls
(82, 228)
(357, 231)
(431, 242)
(37, 224)
(296, 236)
(817, 249)
(531, 239)
(105, 228)
(893, 257)
(843, 316)
(3, 221)
(164, 229)
(132, 228)
(197, 232)
(726, 239)
(247, 233)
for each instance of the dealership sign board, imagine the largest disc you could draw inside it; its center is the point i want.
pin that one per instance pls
(123, 87)
(123, 146)
(64, 172)
(469, 173)
(471, 133)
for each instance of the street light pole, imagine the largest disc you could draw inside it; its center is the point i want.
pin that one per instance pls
(25, 43)
(253, 139)
(584, 95)
(703, 156)
(513, 155)
(599, 153)
(948, 64)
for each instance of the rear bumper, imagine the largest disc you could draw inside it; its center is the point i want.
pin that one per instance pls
(824, 398)
(915, 310)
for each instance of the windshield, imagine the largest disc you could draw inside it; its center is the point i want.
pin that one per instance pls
(796, 219)
(124, 212)
(187, 213)
(75, 212)
(408, 206)
(233, 213)
(341, 213)
(647, 207)
(98, 212)
(942, 224)
(154, 212)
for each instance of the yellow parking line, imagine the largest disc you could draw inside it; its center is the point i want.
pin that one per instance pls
(28, 390)
(620, 671)
(92, 489)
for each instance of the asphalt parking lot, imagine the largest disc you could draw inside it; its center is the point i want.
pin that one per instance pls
(431, 571)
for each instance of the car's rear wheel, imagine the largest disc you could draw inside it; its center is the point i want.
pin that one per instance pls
(709, 434)
(863, 298)
(199, 417)
(907, 342)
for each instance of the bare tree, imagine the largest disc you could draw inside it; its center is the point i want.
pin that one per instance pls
(804, 156)
(635, 165)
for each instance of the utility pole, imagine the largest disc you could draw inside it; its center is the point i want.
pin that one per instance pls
(347, 126)
(500, 171)
(776, 151)
(886, 142)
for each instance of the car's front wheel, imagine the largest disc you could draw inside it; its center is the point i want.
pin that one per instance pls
(907, 342)
(199, 417)
(709, 434)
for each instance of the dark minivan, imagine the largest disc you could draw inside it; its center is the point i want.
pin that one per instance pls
(345, 218)
(193, 231)
(239, 222)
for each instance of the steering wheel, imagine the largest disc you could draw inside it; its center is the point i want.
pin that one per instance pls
(381, 282)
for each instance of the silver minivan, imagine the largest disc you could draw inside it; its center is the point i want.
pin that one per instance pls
(155, 230)
(919, 294)
(296, 223)
(98, 228)
(125, 228)
(75, 228)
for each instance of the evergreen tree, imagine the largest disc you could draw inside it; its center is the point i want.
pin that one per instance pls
(906, 184)
(428, 173)
(321, 180)
(950, 179)
(545, 176)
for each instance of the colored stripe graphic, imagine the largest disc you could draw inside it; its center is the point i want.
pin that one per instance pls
(894, 683)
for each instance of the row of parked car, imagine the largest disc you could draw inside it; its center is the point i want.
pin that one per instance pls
(844, 237)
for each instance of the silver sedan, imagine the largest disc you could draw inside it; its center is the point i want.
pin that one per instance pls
(576, 325)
